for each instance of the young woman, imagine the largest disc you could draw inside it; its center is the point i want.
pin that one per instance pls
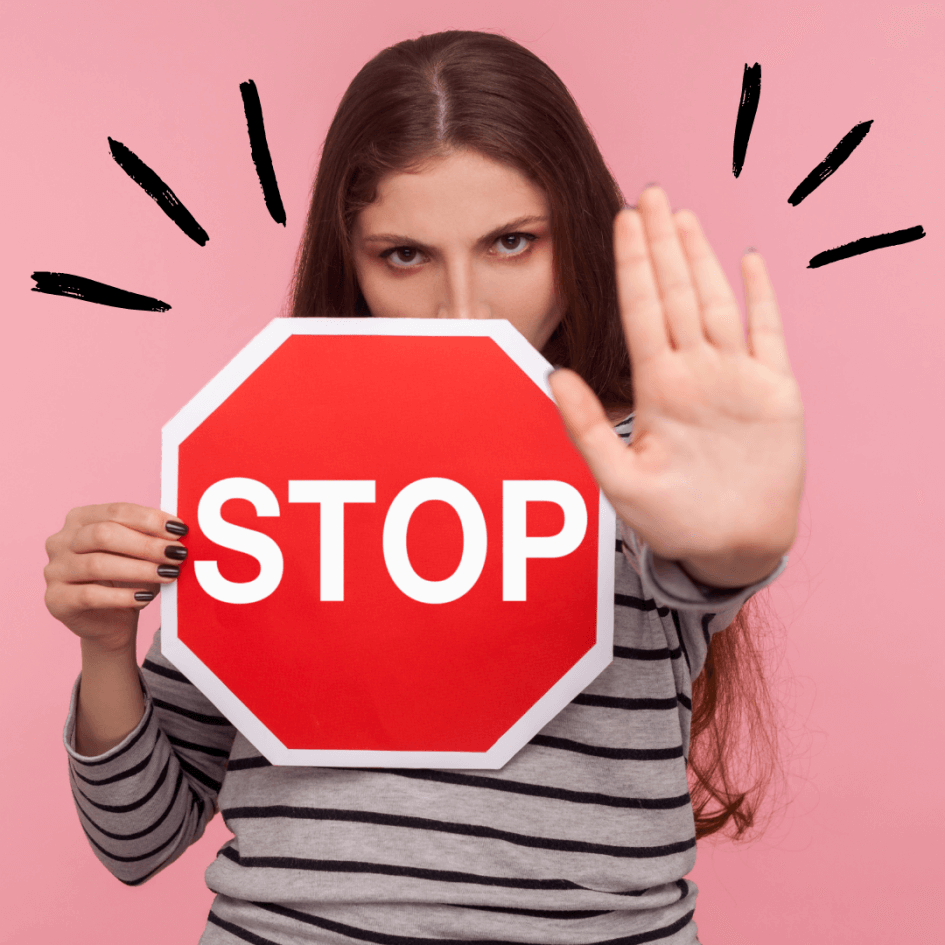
(458, 180)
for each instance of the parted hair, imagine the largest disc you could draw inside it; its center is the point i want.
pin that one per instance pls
(424, 98)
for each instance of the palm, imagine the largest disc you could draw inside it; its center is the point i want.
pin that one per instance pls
(717, 458)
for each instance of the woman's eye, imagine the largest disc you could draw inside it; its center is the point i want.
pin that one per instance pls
(401, 257)
(408, 257)
(514, 244)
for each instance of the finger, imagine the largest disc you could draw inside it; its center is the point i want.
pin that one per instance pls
(67, 600)
(765, 331)
(638, 297)
(152, 589)
(149, 521)
(721, 319)
(590, 430)
(117, 539)
(86, 568)
(671, 270)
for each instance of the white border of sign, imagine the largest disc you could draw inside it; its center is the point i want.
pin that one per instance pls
(175, 431)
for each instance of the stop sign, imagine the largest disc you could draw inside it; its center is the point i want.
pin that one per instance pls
(396, 555)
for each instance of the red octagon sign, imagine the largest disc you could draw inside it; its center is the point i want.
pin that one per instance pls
(397, 558)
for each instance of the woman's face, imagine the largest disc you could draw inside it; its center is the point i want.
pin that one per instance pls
(467, 237)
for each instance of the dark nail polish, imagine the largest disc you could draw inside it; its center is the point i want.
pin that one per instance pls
(168, 570)
(144, 596)
(176, 552)
(177, 528)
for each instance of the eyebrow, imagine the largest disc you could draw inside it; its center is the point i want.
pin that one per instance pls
(490, 237)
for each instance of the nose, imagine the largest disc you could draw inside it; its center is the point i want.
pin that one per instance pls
(461, 292)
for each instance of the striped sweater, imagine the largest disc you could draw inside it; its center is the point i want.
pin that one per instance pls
(585, 836)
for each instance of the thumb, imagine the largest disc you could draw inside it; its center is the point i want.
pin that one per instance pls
(589, 429)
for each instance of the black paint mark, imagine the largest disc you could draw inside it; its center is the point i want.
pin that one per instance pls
(78, 287)
(830, 163)
(155, 188)
(865, 245)
(751, 92)
(260, 151)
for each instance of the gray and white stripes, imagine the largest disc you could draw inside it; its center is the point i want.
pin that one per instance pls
(585, 836)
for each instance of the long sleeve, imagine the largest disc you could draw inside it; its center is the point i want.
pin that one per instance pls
(586, 835)
(143, 802)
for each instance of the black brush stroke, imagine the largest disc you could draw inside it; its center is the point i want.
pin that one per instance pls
(846, 146)
(747, 107)
(866, 245)
(88, 290)
(157, 190)
(259, 148)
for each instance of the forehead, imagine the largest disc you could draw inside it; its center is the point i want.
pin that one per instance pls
(463, 193)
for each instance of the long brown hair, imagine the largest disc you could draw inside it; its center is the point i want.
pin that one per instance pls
(420, 100)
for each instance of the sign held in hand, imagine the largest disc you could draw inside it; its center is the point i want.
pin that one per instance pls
(398, 557)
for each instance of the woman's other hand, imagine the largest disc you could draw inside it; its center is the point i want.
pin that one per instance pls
(106, 564)
(714, 473)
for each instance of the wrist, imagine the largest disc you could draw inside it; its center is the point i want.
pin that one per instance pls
(110, 700)
(118, 648)
(729, 571)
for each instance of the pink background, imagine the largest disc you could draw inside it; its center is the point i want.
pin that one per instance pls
(855, 855)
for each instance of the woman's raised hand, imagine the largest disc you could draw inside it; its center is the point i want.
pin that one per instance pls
(104, 568)
(714, 473)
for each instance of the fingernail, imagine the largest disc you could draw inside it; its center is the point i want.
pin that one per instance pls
(652, 183)
(144, 596)
(751, 249)
(177, 528)
(168, 570)
(176, 552)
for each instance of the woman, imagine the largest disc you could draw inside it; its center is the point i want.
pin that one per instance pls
(459, 180)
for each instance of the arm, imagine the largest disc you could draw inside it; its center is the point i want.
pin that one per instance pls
(691, 613)
(147, 751)
(110, 704)
(144, 800)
